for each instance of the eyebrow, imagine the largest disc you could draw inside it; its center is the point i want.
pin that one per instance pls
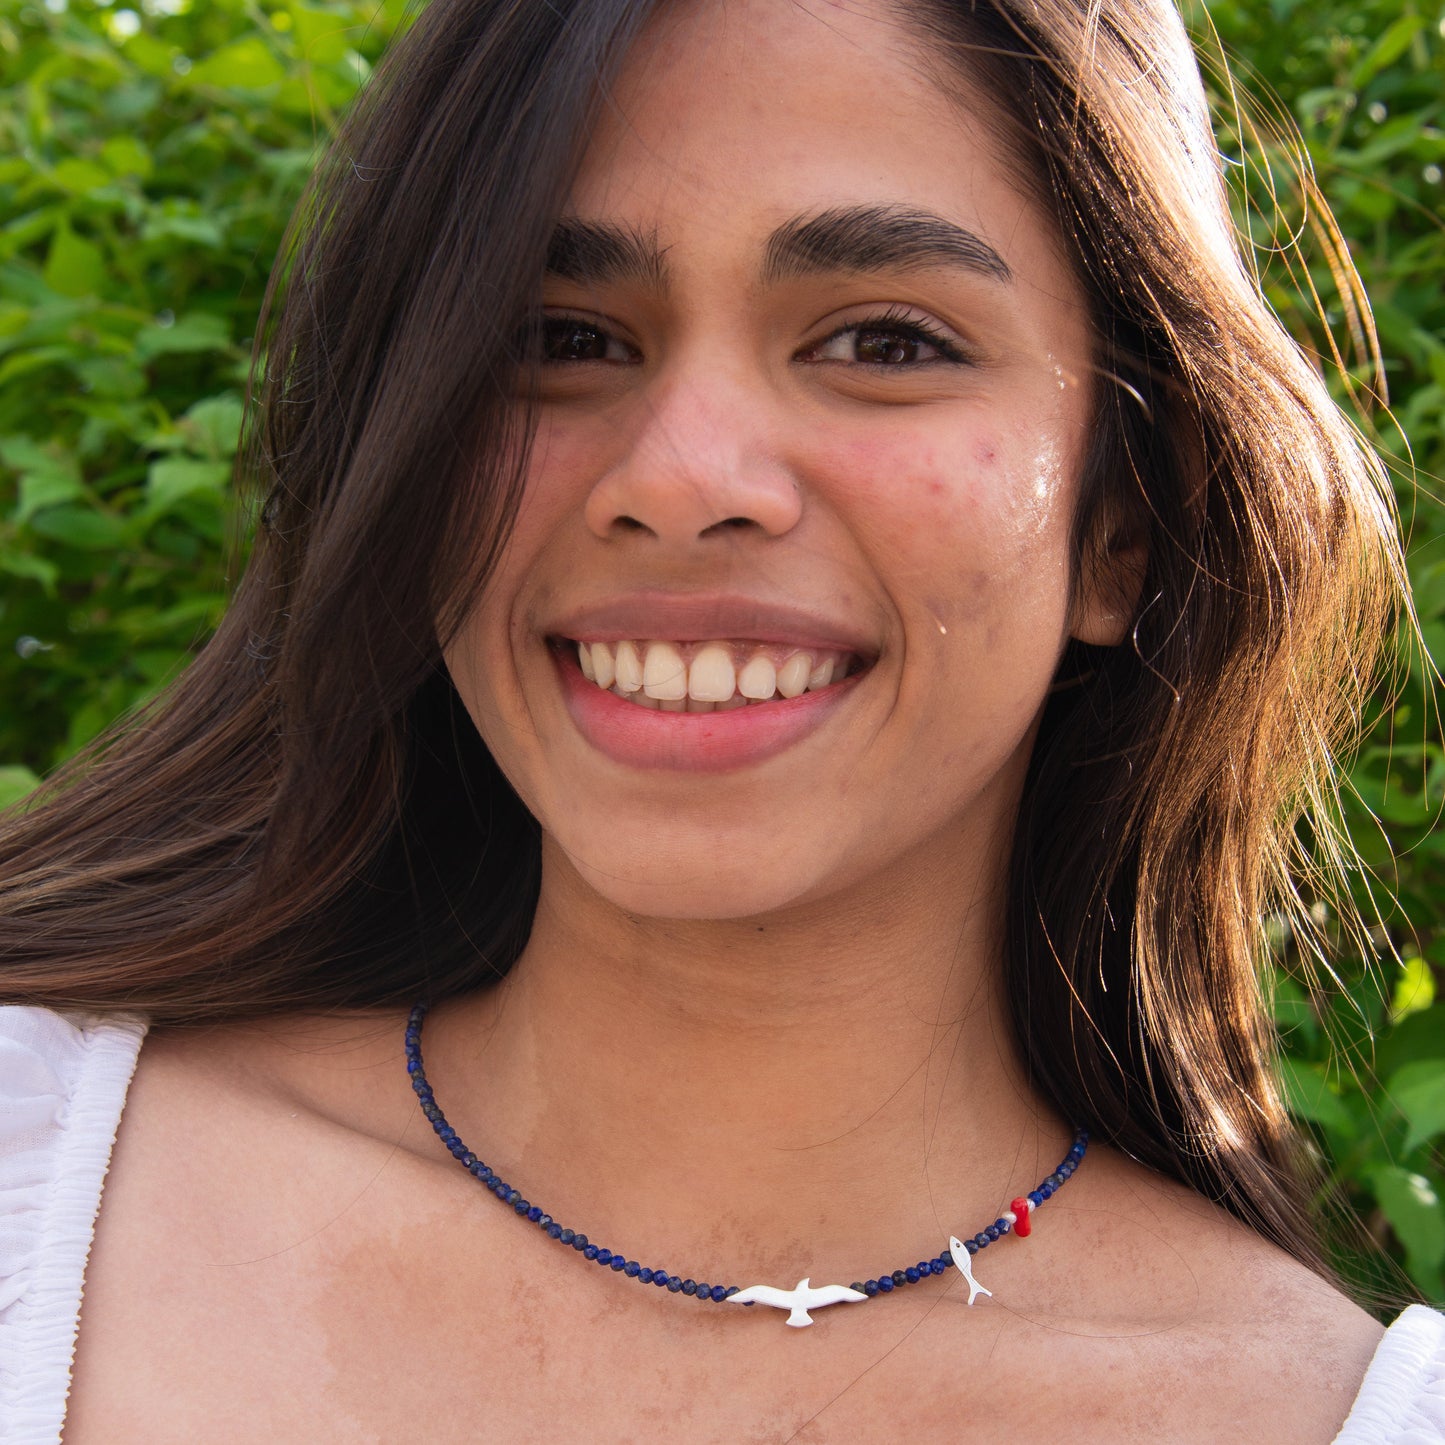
(594, 253)
(844, 238)
(876, 238)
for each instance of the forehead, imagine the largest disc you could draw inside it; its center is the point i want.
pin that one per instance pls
(730, 116)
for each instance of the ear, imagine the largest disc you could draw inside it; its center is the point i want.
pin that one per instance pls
(1111, 578)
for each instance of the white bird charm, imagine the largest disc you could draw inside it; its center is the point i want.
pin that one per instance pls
(798, 1301)
(964, 1260)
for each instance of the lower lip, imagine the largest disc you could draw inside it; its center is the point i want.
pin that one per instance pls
(696, 742)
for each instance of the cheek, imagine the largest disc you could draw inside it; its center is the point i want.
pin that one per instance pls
(990, 510)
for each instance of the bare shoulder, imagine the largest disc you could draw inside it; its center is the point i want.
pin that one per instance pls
(1226, 1332)
(315, 1057)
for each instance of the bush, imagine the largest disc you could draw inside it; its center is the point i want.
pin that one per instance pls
(151, 160)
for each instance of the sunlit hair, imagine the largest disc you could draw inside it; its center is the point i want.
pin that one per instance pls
(307, 819)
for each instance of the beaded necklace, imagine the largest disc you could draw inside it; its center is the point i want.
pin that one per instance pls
(1016, 1219)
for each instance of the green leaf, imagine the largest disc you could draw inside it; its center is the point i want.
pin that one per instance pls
(195, 331)
(213, 427)
(74, 266)
(1409, 1201)
(1414, 990)
(124, 155)
(31, 568)
(175, 477)
(1418, 1092)
(1310, 1096)
(322, 36)
(79, 177)
(1387, 49)
(39, 490)
(15, 783)
(46, 479)
(80, 527)
(242, 65)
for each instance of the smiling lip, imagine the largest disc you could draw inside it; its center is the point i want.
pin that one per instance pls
(708, 742)
(713, 742)
(674, 618)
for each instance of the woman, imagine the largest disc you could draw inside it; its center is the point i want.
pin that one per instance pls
(799, 589)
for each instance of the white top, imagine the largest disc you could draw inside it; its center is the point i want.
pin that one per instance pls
(63, 1082)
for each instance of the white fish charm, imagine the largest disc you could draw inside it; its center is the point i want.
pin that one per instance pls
(798, 1301)
(964, 1260)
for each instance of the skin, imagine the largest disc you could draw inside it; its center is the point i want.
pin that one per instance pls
(756, 1030)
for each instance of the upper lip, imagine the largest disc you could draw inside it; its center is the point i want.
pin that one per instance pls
(668, 616)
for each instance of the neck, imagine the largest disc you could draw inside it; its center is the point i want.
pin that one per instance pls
(821, 1087)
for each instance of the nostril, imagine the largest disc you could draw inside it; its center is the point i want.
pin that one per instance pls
(729, 523)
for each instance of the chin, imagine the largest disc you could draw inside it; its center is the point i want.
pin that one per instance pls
(694, 884)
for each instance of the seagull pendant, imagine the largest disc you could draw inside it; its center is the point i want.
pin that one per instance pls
(798, 1301)
(964, 1260)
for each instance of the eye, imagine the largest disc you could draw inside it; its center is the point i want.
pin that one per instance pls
(886, 341)
(574, 338)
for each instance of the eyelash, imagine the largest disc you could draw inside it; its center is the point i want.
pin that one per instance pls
(896, 320)
(900, 322)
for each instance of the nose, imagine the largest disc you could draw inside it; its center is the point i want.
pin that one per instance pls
(702, 461)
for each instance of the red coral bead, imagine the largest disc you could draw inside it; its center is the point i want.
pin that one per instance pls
(1023, 1223)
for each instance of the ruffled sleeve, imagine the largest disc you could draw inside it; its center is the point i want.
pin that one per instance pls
(1402, 1399)
(63, 1083)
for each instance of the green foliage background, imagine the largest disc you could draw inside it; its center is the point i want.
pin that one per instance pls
(149, 159)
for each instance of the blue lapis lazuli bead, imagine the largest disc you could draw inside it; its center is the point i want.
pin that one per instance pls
(567, 1236)
(703, 1291)
(720, 1292)
(1035, 1197)
(555, 1230)
(689, 1286)
(618, 1262)
(580, 1241)
(871, 1288)
(911, 1274)
(982, 1240)
(660, 1278)
(590, 1252)
(604, 1256)
(971, 1245)
(534, 1213)
(522, 1207)
(1047, 1190)
(885, 1284)
(936, 1266)
(673, 1284)
(645, 1275)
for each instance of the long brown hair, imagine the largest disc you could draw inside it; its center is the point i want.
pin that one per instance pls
(307, 819)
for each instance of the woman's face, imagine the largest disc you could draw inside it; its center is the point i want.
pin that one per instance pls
(815, 391)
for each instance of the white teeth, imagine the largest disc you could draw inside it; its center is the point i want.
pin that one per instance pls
(629, 668)
(793, 674)
(664, 673)
(758, 679)
(602, 666)
(658, 674)
(711, 677)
